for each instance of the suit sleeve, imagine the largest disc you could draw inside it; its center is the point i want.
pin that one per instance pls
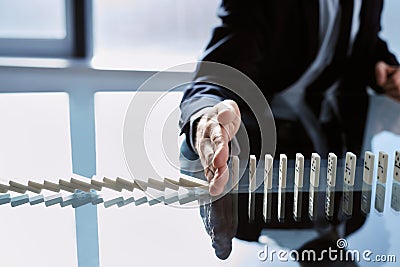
(237, 43)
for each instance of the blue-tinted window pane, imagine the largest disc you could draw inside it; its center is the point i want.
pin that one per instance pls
(32, 19)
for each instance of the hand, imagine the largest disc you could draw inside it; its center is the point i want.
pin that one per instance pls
(220, 221)
(216, 128)
(388, 77)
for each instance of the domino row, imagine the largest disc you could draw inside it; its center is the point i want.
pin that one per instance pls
(84, 191)
(314, 180)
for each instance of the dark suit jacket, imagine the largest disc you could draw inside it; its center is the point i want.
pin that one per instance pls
(273, 42)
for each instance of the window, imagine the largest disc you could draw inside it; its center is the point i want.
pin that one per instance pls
(151, 34)
(40, 28)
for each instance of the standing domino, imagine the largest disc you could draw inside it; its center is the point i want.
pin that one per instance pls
(268, 169)
(381, 182)
(282, 187)
(395, 202)
(330, 186)
(349, 176)
(368, 176)
(252, 187)
(235, 173)
(314, 184)
(235, 189)
(298, 186)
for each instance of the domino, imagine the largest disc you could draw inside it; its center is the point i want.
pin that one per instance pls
(81, 199)
(67, 200)
(66, 186)
(4, 199)
(51, 186)
(111, 184)
(381, 182)
(187, 198)
(35, 185)
(235, 173)
(330, 202)
(298, 180)
(282, 171)
(282, 187)
(330, 186)
(125, 184)
(347, 207)
(331, 170)
(84, 182)
(171, 198)
(16, 189)
(171, 184)
(97, 200)
(349, 176)
(252, 187)
(314, 184)
(368, 174)
(126, 202)
(189, 181)
(315, 169)
(350, 169)
(24, 187)
(141, 201)
(268, 171)
(112, 202)
(395, 200)
(19, 200)
(141, 185)
(299, 170)
(53, 199)
(36, 200)
(3, 188)
(156, 200)
(396, 170)
(155, 184)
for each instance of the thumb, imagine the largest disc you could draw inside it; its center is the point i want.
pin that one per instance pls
(381, 71)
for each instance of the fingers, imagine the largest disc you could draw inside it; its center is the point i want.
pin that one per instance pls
(220, 141)
(228, 115)
(392, 86)
(380, 73)
(214, 131)
(219, 181)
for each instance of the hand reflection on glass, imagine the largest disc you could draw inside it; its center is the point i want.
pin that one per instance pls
(220, 220)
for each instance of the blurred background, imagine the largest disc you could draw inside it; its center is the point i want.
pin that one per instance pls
(68, 70)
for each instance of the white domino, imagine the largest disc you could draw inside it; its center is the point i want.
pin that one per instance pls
(350, 169)
(382, 167)
(235, 173)
(299, 170)
(252, 187)
(369, 162)
(331, 170)
(282, 171)
(298, 181)
(268, 171)
(315, 169)
(368, 176)
(282, 186)
(396, 170)
(380, 191)
(314, 184)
